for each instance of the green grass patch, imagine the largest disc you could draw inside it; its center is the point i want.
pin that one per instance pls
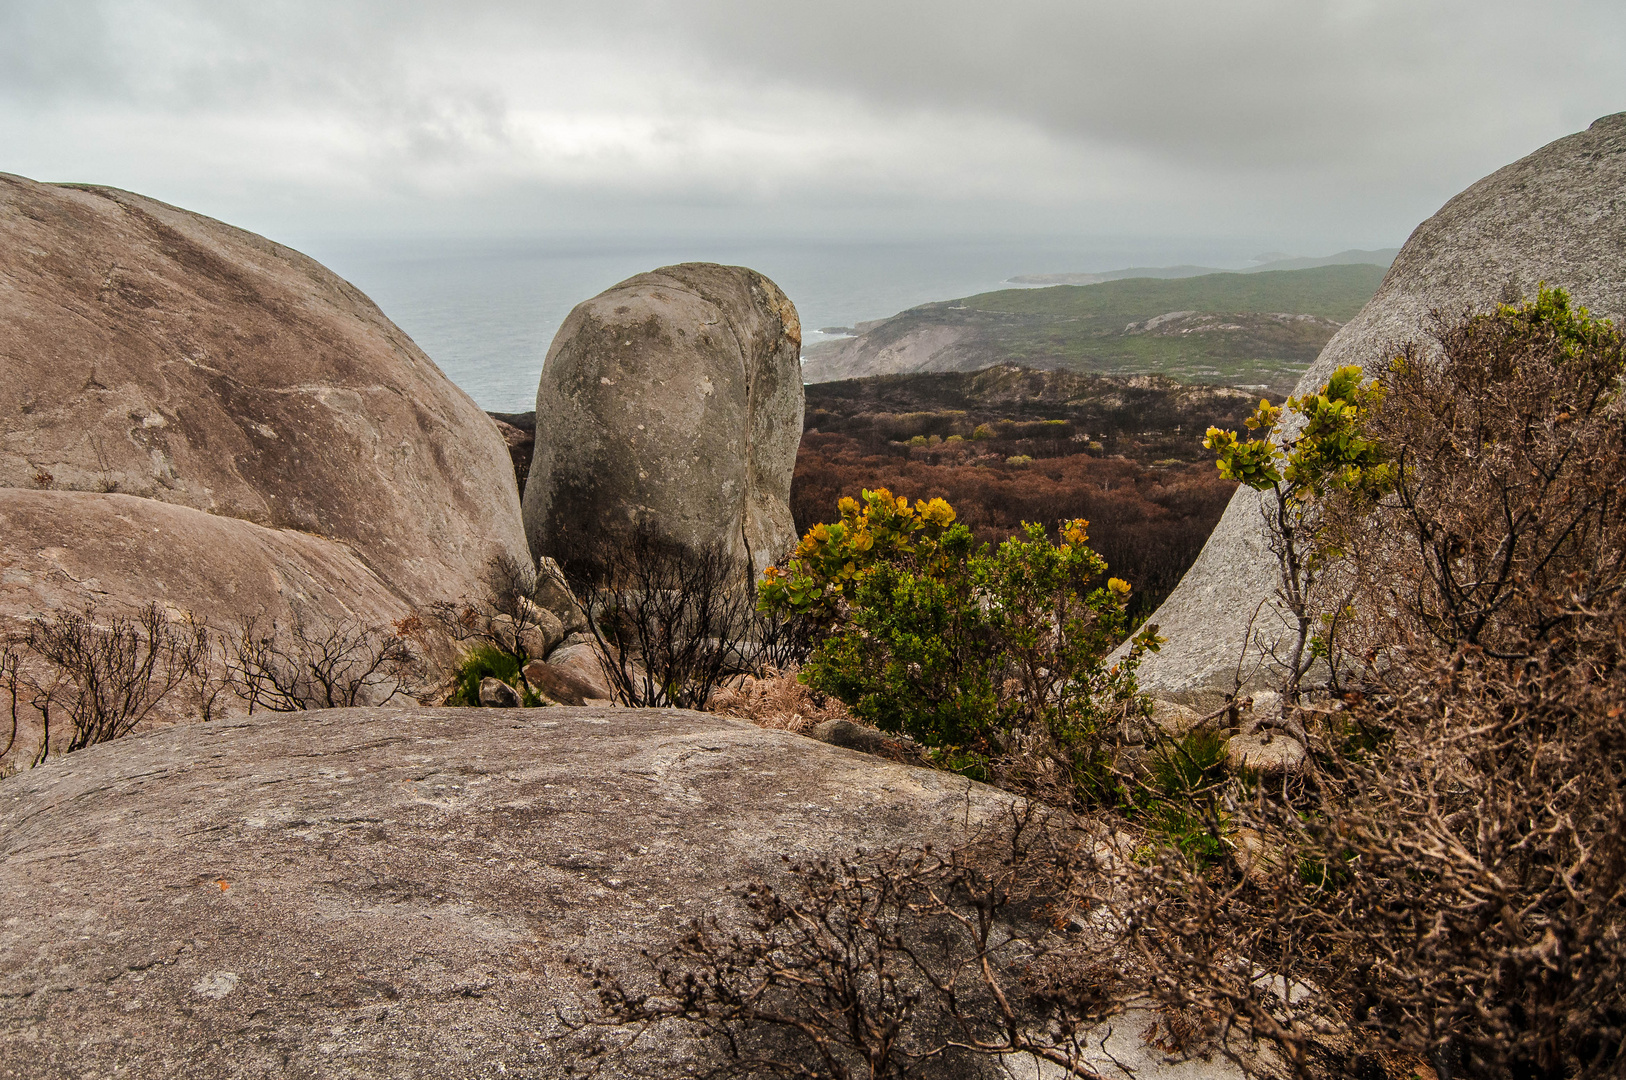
(967, 763)
(485, 661)
(1181, 768)
(1179, 806)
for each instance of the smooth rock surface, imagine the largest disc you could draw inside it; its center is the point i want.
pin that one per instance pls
(153, 353)
(1556, 216)
(674, 397)
(395, 893)
(61, 549)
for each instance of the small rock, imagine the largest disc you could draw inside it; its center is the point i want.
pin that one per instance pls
(850, 735)
(1258, 859)
(216, 984)
(534, 633)
(1267, 754)
(543, 629)
(579, 658)
(560, 685)
(553, 593)
(1173, 719)
(496, 694)
(1267, 707)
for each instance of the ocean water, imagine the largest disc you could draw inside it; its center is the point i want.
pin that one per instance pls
(486, 311)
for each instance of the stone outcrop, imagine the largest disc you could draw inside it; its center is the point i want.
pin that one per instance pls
(1553, 217)
(673, 398)
(397, 892)
(63, 549)
(199, 416)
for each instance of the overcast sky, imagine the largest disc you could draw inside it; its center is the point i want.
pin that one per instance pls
(1310, 125)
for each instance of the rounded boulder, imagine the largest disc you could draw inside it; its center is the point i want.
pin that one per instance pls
(672, 401)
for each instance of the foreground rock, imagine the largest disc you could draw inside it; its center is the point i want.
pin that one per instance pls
(1551, 217)
(193, 402)
(674, 397)
(395, 893)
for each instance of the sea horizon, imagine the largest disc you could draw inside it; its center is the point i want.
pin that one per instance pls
(486, 310)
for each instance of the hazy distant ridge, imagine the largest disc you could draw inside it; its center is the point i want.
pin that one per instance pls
(1381, 257)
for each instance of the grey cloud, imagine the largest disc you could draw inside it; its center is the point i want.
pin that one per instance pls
(1252, 83)
(1349, 119)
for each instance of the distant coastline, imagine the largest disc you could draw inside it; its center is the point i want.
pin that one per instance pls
(1378, 257)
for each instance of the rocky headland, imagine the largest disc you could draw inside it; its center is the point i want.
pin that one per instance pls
(1256, 330)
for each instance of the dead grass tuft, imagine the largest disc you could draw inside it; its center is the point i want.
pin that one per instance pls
(776, 700)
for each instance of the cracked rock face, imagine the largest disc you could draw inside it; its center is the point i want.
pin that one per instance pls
(186, 394)
(674, 397)
(397, 893)
(1557, 216)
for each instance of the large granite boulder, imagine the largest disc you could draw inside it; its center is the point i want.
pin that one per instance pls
(1557, 217)
(199, 416)
(674, 398)
(397, 893)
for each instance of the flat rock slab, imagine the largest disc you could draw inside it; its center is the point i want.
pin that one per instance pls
(395, 892)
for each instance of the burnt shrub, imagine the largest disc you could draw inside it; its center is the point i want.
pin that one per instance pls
(337, 666)
(1447, 880)
(105, 672)
(672, 621)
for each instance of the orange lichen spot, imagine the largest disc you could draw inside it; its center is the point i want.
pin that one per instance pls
(223, 883)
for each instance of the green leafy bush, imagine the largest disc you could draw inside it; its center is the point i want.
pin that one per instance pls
(976, 652)
(1312, 447)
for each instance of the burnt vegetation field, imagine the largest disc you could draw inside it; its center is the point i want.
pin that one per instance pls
(1008, 445)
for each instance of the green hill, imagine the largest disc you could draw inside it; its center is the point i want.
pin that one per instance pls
(1331, 292)
(1257, 330)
